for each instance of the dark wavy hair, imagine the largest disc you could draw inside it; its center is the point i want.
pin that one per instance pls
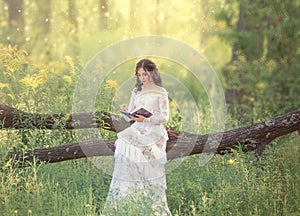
(148, 66)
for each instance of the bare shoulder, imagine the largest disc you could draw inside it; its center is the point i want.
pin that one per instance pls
(161, 89)
(155, 90)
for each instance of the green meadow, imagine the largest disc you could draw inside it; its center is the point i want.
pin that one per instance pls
(251, 46)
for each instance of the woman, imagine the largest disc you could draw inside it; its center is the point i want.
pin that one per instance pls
(140, 154)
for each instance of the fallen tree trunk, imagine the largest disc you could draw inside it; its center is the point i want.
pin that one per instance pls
(252, 137)
(16, 119)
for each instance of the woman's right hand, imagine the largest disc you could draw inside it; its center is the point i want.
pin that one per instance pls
(124, 107)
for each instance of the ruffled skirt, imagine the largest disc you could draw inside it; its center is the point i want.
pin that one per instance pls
(140, 158)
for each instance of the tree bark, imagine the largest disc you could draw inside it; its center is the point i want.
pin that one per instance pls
(253, 137)
(16, 119)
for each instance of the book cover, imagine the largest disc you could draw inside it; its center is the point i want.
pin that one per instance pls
(141, 111)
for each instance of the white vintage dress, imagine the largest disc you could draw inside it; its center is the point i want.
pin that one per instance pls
(140, 154)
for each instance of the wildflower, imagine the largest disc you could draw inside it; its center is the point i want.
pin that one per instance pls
(68, 79)
(231, 161)
(54, 71)
(69, 61)
(4, 85)
(111, 84)
(260, 85)
(55, 67)
(32, 81)
(43, 74)
(12, 58)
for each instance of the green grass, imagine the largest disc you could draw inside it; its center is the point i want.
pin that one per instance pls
(237, 184)
(233, 184)
(68, 188)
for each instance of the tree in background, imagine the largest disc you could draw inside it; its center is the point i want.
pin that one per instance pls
(134, 12)
(73, 28)
(16, 21)
(104, 14)
(44, 25)
(264, 35)
(45, 16)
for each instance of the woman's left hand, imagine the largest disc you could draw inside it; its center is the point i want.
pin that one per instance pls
(138, 118)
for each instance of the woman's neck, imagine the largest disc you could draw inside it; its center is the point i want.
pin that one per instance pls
(149, 85)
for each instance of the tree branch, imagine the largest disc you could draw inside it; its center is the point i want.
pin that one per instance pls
(252, 137)
(17, 119)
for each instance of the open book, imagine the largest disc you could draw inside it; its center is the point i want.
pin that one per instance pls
(141, 111)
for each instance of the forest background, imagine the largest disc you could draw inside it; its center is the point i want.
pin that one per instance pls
(253, 46)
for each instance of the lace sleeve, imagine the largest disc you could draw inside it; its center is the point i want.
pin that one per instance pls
(131, 106)
(163, 116)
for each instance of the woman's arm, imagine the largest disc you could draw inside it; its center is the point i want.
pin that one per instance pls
(130, 107)
(163, 116)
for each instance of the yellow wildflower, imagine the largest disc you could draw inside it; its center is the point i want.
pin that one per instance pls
(69, 61)
(12, 58)
(68, 79)
(43, 75)
(32, 81)
(55, 67)
(260, 85)
(231, 161)
(3, 85)
(111, 84)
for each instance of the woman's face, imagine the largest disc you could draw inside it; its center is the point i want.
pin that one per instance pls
(144, 76)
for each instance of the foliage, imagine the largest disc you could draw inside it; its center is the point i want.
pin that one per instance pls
(40, 67)
(265, 41)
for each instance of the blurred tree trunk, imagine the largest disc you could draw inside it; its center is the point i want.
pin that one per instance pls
(133, 16)
(3, 16)
(73, 29)
(233, 95)
(156, 17)
(247, 37)
(240, 28)
(43, 22)
(16, 21)
(250, 30)
(104, 14)
(72, 11)
(204, 18)
(45, 16)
